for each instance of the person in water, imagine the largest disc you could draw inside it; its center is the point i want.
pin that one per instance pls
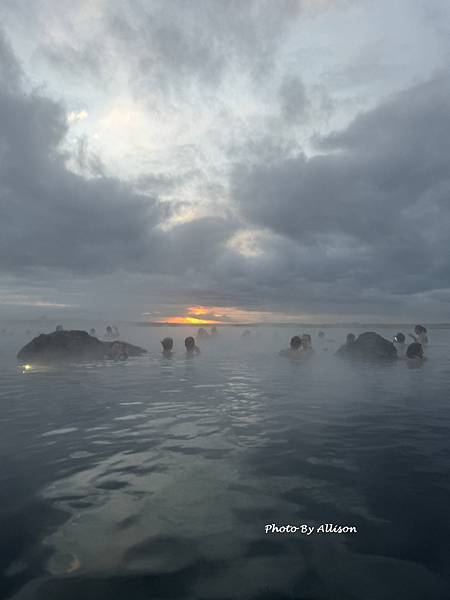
(307, 343)
(420, 335)
(414, 354)
(116, 333)
(167, 344)
(109, 332)
(400, 344)
(118, 351)
(202, 334)
(295, 348)
(59, 328)
(92, 332)
(191, 347)
(322, 343)
(350, 339)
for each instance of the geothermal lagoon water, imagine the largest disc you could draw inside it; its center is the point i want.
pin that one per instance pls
(158, 478)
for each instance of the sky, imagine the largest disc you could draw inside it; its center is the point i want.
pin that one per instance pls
(225, 160)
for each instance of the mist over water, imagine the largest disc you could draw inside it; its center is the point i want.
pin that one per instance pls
(155, 478)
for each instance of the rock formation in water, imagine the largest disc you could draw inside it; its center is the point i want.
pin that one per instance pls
(369, 346)
(71, 345)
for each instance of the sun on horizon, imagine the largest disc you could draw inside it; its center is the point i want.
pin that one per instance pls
(190, 321)
(196, 315)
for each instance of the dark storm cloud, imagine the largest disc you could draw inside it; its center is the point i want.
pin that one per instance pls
(51, 217)
(372, 211)
(357, 228)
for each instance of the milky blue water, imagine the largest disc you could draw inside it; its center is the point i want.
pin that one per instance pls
(155, 478)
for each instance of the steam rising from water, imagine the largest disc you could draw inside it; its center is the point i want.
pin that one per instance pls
(167, 470)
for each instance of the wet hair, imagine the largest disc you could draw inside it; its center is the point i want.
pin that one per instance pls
(414, 350)
(350, 338)
(400, 338)
(189, 342)
(420, 329)
(167, 343)
(296, 342)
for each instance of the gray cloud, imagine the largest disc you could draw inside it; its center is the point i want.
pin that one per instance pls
(51, 217)
(293, 99)
(372, 211)
(359, 227)
(172, 45)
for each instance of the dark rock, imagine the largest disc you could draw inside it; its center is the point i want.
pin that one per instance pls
(369, 346)
(71, 345)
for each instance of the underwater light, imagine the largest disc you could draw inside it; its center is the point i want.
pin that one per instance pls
(27, 367)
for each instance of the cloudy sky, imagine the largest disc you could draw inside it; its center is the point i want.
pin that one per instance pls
(225, 159)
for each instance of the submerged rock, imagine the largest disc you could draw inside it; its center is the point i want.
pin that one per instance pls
(71, 345)
(369, 346)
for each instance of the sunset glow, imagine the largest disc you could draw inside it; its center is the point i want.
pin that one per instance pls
(196, 315)
(215, 315)
(190, 321)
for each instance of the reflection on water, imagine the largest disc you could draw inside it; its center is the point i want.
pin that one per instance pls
(155, 478)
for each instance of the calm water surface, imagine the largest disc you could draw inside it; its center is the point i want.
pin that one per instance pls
(155, 478)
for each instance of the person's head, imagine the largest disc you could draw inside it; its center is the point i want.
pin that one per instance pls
(306, 341)
(350, 338)
(59, 328)
(189, 342)
(420, 329)
(108, 329)
(414, 350)
(167, 344)
(399, 338)
(116, 348)
(296, 342)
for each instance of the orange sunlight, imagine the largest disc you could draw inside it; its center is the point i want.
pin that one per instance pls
(215, 315)
(190, 321)
(197, 315)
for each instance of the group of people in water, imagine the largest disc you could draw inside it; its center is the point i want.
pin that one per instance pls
(415, 350)
(301, 346)
(189, 343)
